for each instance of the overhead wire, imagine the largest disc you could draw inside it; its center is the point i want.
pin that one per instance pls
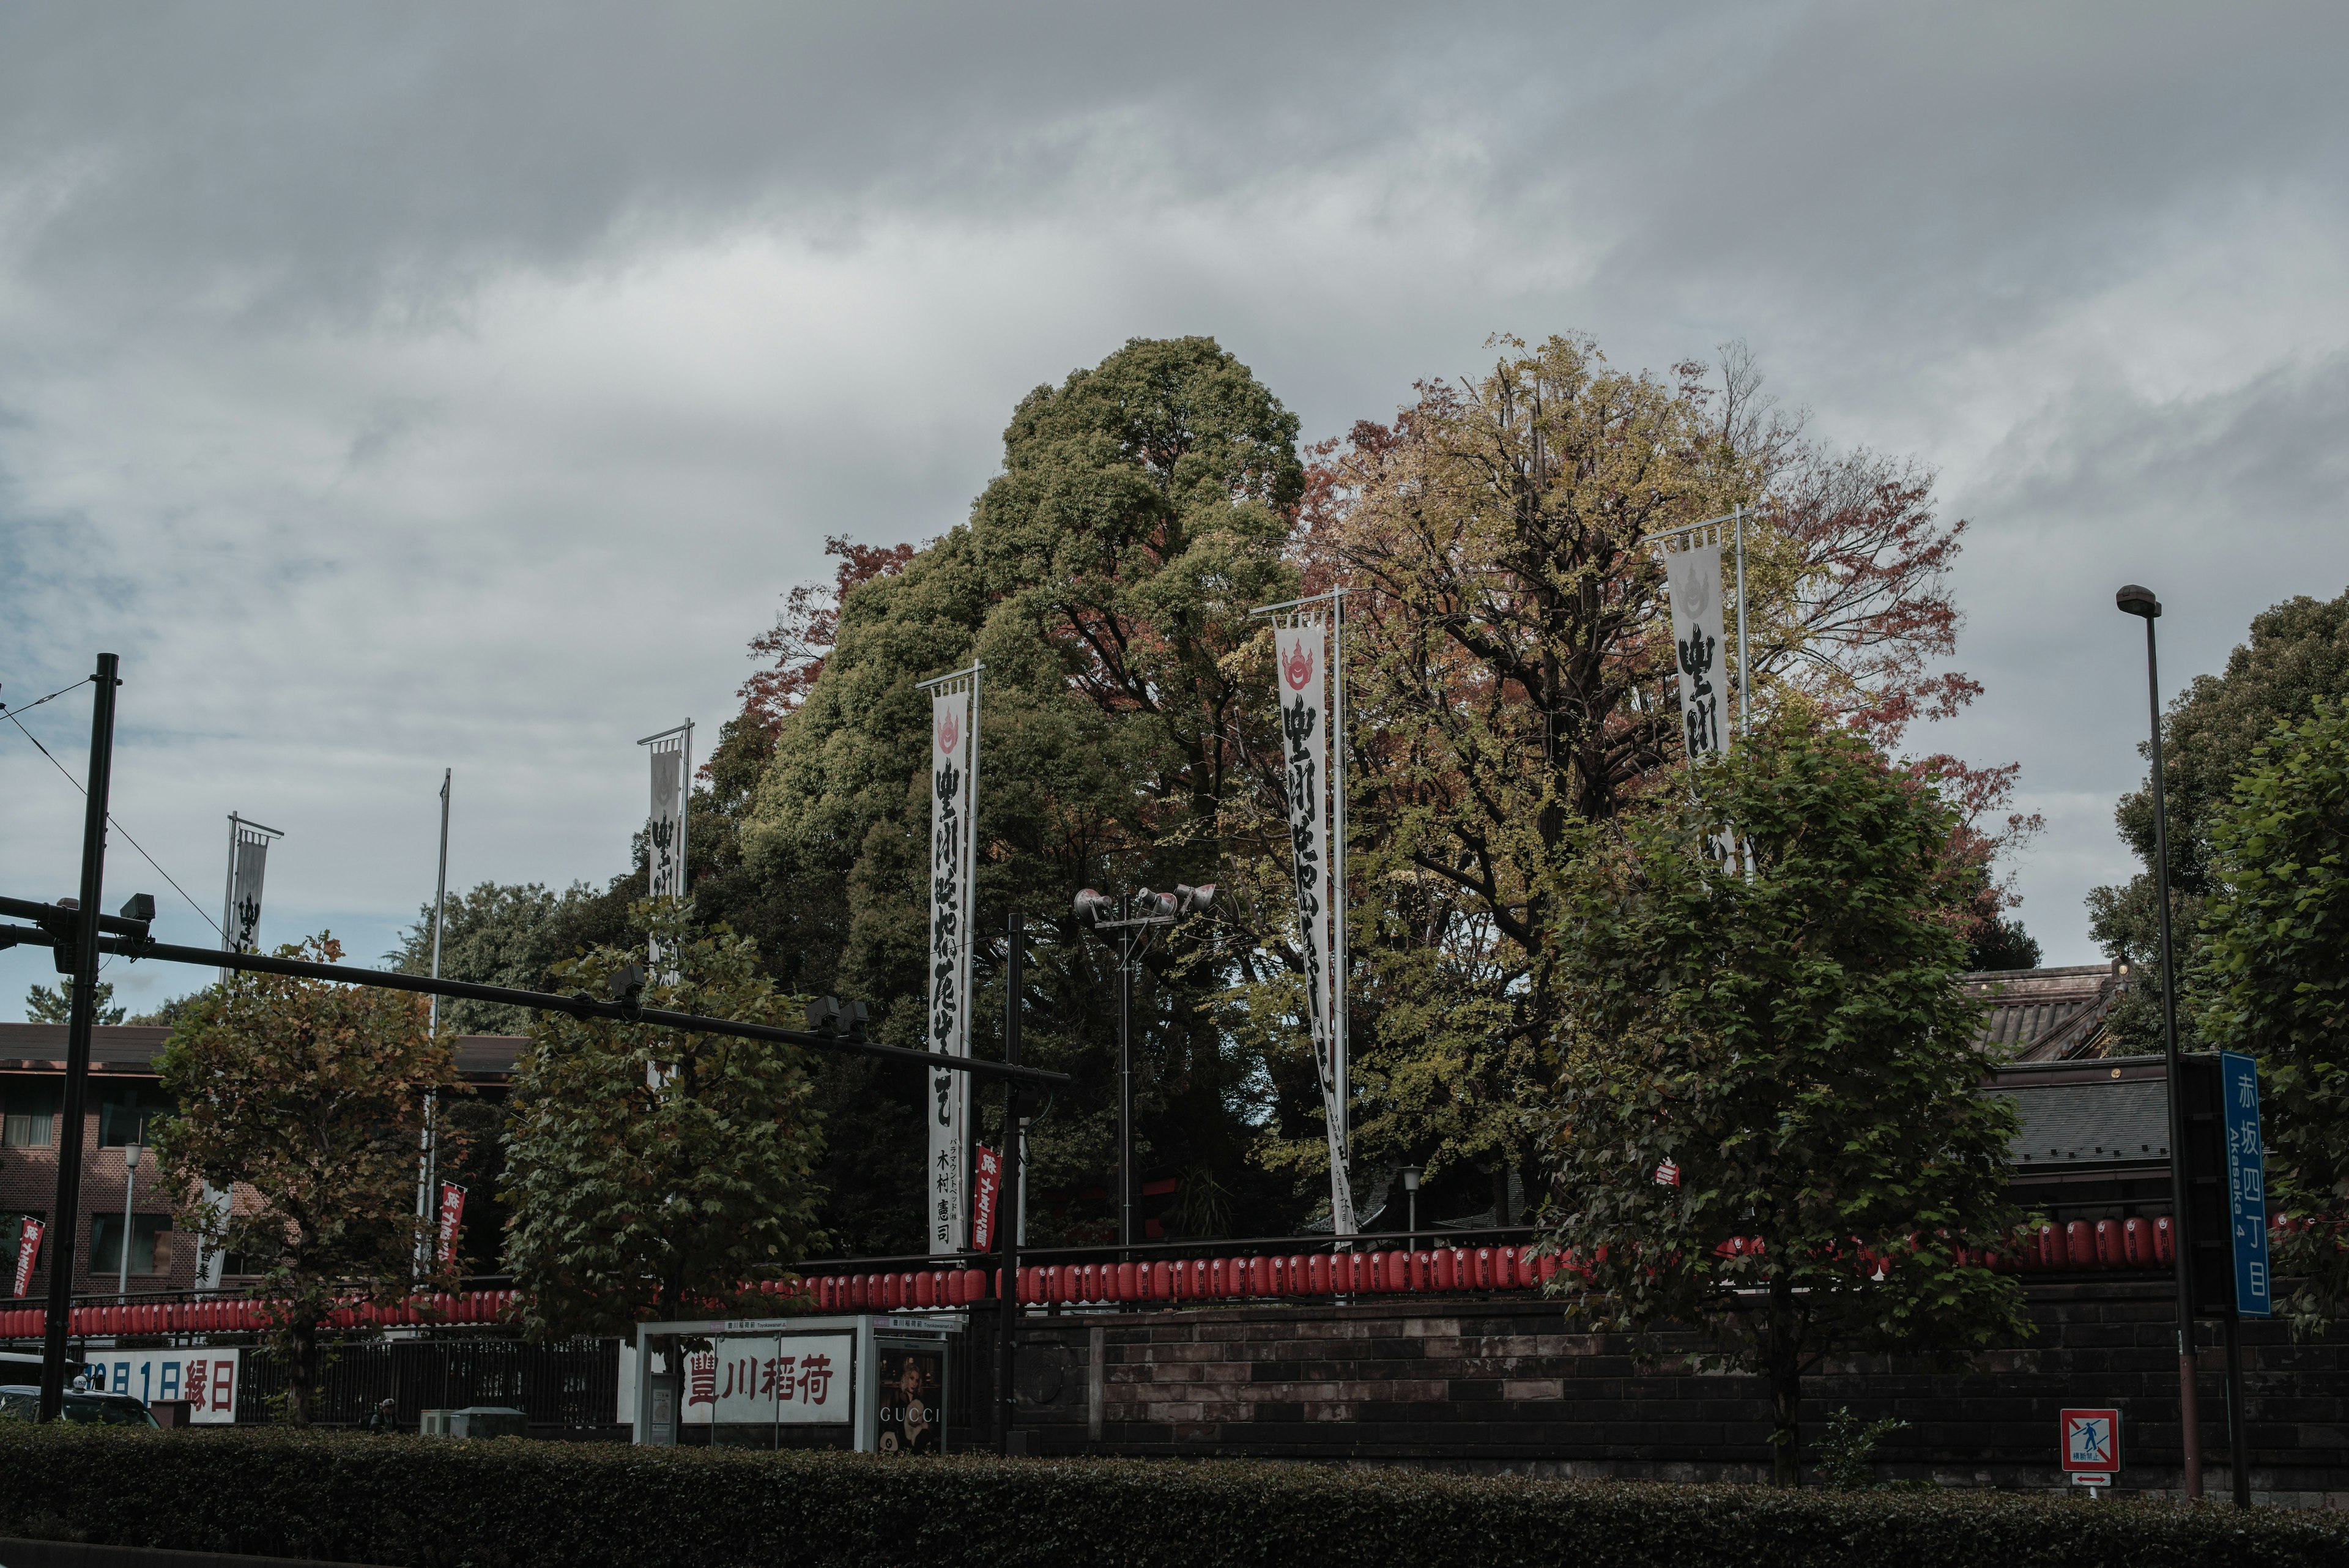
(112, 821)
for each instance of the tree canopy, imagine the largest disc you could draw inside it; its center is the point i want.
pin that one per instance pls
(2275, 981)
(2297, 652)
(1783, 1056)
(1508, 687)
(309, 1096)
(651, 1173)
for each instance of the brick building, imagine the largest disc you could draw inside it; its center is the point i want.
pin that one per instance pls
(124, 1097)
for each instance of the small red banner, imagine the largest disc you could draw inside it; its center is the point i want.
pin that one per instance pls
(982, 1199)
(28, 1252)
(1668, 1175)
(452, 1216)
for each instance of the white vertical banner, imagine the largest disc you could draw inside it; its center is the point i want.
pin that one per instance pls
(248, 858)
(954, 799)
(1693, 576)
(665, 824)
(1301, 664)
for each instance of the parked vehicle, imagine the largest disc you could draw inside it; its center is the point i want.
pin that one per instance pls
(23, 1402)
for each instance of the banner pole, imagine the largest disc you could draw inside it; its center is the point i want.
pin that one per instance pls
(1007, 1293)
(228, 896)
(428, 1163)
(1744, 657)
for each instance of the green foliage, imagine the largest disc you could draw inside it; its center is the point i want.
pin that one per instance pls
(1793, 1043)
(167, 1014)
(53, 1004)
(648, 1170)
(309, 1097)
(421, 1502)
(2002, 943)
(2277, 982)
(502, 935)
(1105, 579)
(1847, 1449)
(2297, 652)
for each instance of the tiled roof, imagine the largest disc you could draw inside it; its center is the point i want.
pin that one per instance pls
(2111, 1111)
(2045, 1014)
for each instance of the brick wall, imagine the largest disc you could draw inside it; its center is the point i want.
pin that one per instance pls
(1502, 1385)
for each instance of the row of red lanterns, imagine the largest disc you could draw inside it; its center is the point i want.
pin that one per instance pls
(232, 1316)
(2074, 1246)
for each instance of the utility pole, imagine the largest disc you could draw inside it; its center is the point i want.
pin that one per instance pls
(83, 965)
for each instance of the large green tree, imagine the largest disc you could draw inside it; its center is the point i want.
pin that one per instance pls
(650, 1174)
(2297, 652)
(1791, 1042)
(1104, 578)
(2275, 982)
(307, 1100)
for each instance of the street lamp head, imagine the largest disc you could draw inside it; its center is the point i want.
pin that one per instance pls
(1091, 906)
(130, 1152)
(2139, 601)
(1410, 1174)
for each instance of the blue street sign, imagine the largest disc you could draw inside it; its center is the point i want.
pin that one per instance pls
(2247, 1189)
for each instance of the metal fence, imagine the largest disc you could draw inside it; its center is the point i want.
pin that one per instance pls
(570, 1386)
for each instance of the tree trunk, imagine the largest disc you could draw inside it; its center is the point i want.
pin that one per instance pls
(1786, 1434)
(303, 1375)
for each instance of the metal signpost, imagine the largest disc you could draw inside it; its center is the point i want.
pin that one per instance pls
(2247, 1212)
(2090, 1446)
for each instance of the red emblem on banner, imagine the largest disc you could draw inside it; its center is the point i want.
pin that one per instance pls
(948, 733)
(1299, 668)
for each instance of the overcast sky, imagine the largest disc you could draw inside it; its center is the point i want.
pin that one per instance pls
(403, 386)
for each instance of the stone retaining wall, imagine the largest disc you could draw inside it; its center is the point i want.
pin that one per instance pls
(1502, 1385)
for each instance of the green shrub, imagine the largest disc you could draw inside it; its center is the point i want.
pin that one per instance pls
(1847, 1452)
(418, 1502)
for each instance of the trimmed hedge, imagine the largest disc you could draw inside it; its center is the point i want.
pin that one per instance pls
(418, 1502)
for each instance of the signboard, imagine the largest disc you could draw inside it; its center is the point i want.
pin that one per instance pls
(982, 1201)
(791, 1378)
(203, 1376)
(2247, 1191)
(2090, 1446)
(912, 1394)
(28, 1254)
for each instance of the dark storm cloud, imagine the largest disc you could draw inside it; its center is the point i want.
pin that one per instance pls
(401, 384)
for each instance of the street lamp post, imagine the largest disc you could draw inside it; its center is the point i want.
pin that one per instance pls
(2139, 601)
(1136, 933)
(129, 1174)
(1410, 1174)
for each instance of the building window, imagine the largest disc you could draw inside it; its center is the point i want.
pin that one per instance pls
(30, 1117)
(125, 1114)
(106, 1242)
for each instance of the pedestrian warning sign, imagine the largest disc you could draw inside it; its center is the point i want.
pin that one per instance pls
(2092, 1442)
